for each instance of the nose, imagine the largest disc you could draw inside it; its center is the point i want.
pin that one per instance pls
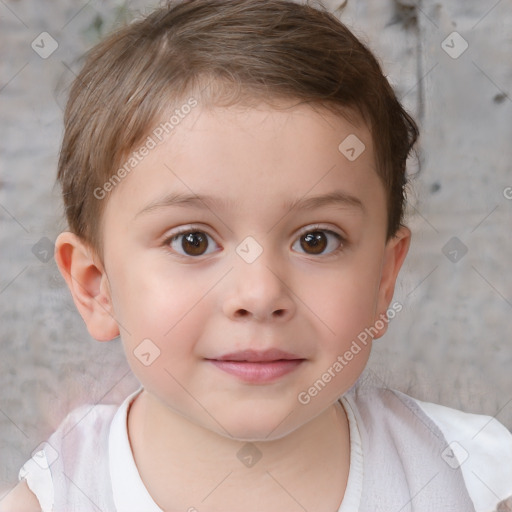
(260, 292)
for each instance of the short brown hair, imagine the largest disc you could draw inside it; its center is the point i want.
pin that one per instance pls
(246, 50)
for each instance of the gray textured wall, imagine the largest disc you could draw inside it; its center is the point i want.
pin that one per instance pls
(451, 342)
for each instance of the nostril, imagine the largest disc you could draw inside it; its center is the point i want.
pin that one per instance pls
(242, 313)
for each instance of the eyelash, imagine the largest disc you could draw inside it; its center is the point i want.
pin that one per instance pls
(193, 229)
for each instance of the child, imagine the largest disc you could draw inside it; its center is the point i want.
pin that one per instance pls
(233, 174)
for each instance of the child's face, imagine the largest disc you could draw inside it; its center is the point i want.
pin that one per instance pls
(200, 297)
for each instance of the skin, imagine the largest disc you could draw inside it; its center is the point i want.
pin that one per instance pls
(192, 418)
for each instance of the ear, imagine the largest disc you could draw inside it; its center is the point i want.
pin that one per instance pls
(394, 255)
(88, 284)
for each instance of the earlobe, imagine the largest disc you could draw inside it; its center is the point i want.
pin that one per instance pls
(394, 256)
(88, 284)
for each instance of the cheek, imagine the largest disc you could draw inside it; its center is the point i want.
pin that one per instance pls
(345, 314)
(168, 309)
(163, 319)
(150, 300)
(346, 303)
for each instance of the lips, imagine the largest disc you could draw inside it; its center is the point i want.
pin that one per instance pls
(258, 367)
(258, 356)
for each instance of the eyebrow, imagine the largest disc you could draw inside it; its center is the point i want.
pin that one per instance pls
(336, 198)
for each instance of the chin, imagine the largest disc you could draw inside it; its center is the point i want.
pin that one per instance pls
(256, 427)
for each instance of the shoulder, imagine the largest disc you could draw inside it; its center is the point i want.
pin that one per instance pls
(82, 432)
(82, 436)
(474, 438)
(478, 445)
(478, 434)
(474, 429)
(481, 446)
(20, 499)
(90, 416)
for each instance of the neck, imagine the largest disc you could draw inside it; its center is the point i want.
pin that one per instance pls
(184, 465)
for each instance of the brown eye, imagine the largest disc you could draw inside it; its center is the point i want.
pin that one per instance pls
(316, 242)
(194, 244)
(190, 243)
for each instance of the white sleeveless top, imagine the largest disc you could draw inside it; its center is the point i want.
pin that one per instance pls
(405, 455)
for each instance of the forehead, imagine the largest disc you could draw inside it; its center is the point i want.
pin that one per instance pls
(252, 159)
